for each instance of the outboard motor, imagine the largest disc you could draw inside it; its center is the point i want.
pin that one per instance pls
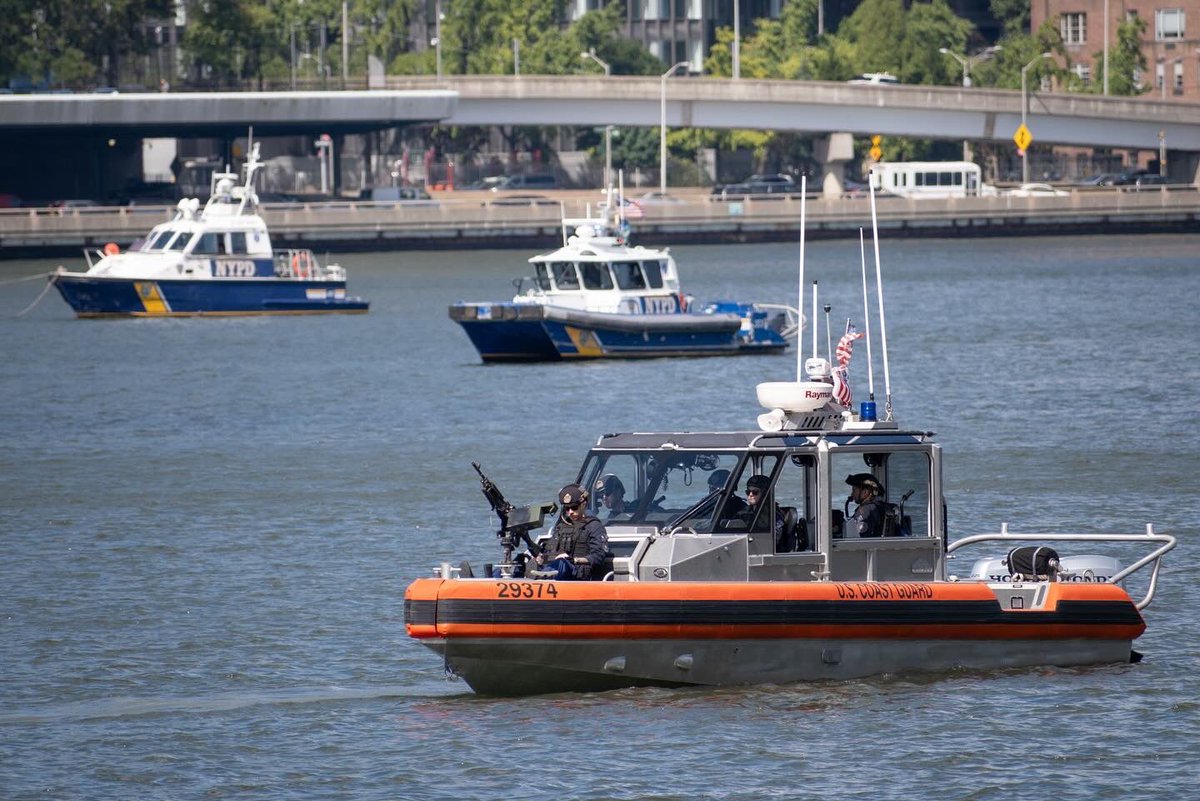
(1033, 563)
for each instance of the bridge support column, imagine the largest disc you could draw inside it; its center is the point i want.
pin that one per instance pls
(833, 152)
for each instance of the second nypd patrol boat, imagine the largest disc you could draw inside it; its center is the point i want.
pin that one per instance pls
(597, 296)
(212, 261)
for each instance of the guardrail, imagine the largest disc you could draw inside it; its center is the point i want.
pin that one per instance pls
(462, 221)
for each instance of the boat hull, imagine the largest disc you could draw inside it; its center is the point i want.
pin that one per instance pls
(503, 638)
(106, 296)
(507, 332)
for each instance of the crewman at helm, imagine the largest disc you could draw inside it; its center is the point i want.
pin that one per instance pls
(611, 493)
(579, 541)
(717, 480)
(868, 517)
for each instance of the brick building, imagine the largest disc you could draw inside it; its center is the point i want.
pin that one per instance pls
(1172, 48)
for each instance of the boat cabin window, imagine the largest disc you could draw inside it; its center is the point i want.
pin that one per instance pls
(629, 275)
(654, 273)
(658, 487)
(237, 242)
(565, 276)
(595, 275)
(905, 477)
(159, 240)
(180, 241)
(541, 277)
(784, 509)
(210, 243)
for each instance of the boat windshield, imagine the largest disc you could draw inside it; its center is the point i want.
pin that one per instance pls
(596, 275)
(629, 275)
(654, 273)
(542, 277)
(180, 241)
(565, 276)
(706, 491)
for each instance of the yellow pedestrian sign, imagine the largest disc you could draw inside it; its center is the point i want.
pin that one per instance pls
(876, 152)
(1023, 137)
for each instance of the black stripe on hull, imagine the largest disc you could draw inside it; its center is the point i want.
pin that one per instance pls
(747, 613)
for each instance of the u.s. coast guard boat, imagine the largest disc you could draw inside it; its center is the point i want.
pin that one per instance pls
(597, 296)
(212, 261)
(702, 588)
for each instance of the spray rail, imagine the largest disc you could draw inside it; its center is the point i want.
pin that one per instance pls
(1166, 543)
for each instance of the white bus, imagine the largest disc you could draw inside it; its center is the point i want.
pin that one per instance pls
(930, 179)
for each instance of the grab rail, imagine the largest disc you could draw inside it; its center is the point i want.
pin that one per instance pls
(1168, 542)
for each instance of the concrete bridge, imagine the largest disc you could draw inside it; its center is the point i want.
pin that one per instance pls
(936, 112)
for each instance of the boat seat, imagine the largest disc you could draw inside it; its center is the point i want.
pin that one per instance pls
(787, 535)
(604, 568)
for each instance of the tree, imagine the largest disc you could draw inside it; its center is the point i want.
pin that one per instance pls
(1126, 62)
(1012, 14)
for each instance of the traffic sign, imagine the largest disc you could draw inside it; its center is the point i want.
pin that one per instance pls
(1023, 137)
(876, 153)
(876, 139)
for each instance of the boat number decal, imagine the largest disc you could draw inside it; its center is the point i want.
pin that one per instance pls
(233, 268)
(520, 589)
(875, 591)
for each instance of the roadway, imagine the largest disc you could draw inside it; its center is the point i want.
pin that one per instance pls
(463, 220)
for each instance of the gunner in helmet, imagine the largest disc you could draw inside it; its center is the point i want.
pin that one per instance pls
(579, 541)
(868, 517)
(735, 505)
(611, 493)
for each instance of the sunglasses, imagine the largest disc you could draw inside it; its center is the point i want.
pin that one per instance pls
(753, 492)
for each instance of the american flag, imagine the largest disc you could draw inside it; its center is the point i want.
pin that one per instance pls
(632, 209)
(841, 373)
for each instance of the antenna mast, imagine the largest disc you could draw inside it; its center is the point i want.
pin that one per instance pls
(862, 248)
(887, 383)
(800, 303)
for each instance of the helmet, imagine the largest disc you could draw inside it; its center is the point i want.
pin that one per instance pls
(607, 484)
(571, 495)
(718, 479)
(865, 480)
(758, 482)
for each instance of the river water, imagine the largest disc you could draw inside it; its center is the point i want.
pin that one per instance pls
(208, 526)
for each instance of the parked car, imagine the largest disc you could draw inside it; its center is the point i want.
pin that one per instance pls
(484, 184)
(657, 198)
(1100, 179)
(518, 182)
(1036, 190)
(406, 195)
(1136, 181)
(876, 79)
(777, 184)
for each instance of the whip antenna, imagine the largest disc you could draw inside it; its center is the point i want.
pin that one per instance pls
(800, 303)
(828, 335)
(887, 383)
(862, 249)
(814, 319)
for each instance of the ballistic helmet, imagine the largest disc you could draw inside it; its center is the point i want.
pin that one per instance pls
(717, 479)
(865, 480)
(571, 495)
(608, 484)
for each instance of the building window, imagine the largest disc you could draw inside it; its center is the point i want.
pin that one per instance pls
(1083, 72)
(1073, 28)
(1160, 75)
(1168, 23)
(1178, 83)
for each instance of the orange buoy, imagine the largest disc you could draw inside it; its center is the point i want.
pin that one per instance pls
(111, 249)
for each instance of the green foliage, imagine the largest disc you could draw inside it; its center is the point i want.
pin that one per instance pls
(1126, 62)
(1013, 15)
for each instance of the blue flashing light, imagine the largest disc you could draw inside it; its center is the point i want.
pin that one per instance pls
(866, 411)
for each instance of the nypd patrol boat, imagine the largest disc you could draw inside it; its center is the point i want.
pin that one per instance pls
(698, 591)
(212, 261)
(598, 296)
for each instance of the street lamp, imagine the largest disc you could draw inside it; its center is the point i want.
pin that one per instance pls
(1025, 111)
(591, 54)
(437, 36)
(662, 145)
(970, 61)
(967, 63)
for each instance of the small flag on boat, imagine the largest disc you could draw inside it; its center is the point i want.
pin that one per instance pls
(841, 374)
(633, 210)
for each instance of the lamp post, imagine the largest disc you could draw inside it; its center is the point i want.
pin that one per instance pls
(736, 51)
(662, 145)
(437, 36)
(591, 54)
(967, 63)
(1025, 110)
